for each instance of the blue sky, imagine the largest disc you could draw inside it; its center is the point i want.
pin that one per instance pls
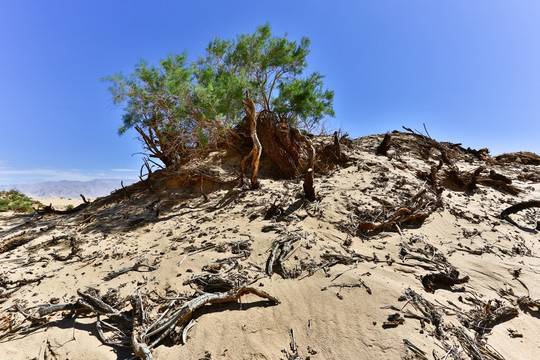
(469, 70)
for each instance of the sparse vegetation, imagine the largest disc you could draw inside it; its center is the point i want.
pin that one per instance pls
(179, 107)
(16, 201)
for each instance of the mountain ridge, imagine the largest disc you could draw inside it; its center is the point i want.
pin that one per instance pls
(69, 188)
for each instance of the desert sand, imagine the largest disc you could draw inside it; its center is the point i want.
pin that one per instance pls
(361, 273)
(61, 203)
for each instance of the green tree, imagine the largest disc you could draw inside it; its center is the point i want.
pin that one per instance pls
(179, 106)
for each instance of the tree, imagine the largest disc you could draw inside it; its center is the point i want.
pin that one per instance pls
(177, 107)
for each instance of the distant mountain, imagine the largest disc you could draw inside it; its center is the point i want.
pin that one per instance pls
(69, 189)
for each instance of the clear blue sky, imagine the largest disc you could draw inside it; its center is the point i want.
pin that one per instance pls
(469, 69)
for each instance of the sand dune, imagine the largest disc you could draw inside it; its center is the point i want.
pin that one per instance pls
(362, 273)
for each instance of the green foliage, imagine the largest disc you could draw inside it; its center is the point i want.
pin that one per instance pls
(16, 201)
(178, 106)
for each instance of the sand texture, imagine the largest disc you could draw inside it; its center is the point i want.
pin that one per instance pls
(402, 256)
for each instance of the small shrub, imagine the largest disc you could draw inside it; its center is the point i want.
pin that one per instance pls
(16, 201)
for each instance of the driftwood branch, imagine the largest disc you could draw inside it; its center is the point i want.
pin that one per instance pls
(349, 286)
(518, 207)
(138, 343)
(274, 264)
(135, 267)
(138, 332)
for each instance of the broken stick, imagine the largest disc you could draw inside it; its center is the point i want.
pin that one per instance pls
(518, 207)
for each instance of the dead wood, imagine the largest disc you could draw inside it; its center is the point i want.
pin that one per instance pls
(349, 286)
(458, 180)
(329, 155)
(87, 302)
(505, 214)
(191, 324)
(500, 185)
(351, 259)
(523, 157)
(412, 213)
(393, 321)
(275, 262)
(499, 177)
(475, 348)
(138, 343)
(431, 176)
(435, 280)
(279, 143)
(428, 143)
(213, 283)
(382, 149)
(274, 210)
(485, 315)
(514, 334)
(249, 107)
(135, 267)
(526, 301)
(165, 325)
(74, 246)
(465, 181)
(418, 353)
(428, 310)
(243, 167)
(481, 319)
(15, 242)
(309, 190)
(17, 283)
(137, 331)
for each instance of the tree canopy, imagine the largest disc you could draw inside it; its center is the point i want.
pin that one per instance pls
(178, 105)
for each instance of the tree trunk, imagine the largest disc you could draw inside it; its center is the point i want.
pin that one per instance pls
(257, 149)
(283, 145)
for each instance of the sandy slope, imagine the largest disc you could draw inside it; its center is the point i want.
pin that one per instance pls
(181, 236)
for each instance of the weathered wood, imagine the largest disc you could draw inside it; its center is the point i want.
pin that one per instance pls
(518, 207)
(272, 134)
(309, 190)
(432, 281)
(138, 344)
(165, 326)
(15, 242)
(135, 267)
(382, 149)
(60, 307)
(276, 265)
(249, 107)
